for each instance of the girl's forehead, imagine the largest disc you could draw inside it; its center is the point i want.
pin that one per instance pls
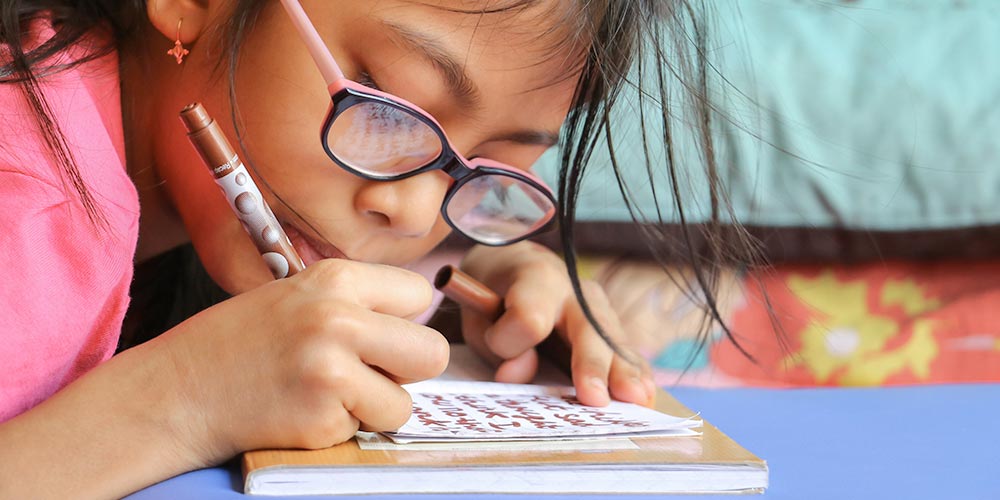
(544, 39)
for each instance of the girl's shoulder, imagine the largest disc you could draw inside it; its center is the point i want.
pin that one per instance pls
(70, 275)
(78, 105)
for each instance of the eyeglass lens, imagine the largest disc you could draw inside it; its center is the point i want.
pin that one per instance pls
(382, 140)
(496, 208)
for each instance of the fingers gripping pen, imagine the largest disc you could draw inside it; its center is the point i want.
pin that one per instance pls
(241, 192)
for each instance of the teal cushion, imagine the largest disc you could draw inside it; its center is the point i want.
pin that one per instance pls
(874, 115)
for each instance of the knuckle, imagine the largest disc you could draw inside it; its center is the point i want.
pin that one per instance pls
(535, 324)
(594, 292)
(630, 368)
(323, 372)
(345, 431)
(334, 317)
(321, 367)
(547, 270)
(644, 366)
(330, 429)
(536, 251)
(332, 274)
(589, 364)
(600, 305)
(639, 363)
(596, 297)
(419, 290)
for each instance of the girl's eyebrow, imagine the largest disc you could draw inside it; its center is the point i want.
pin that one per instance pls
(459, 84)
(531, 138)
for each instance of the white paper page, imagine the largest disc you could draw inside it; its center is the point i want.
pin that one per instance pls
(375, 441)
(444, 410)
(556, 440)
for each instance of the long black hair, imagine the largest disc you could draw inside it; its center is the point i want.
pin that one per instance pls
(655, 48)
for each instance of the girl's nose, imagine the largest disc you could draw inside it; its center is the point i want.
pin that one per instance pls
(408, 207)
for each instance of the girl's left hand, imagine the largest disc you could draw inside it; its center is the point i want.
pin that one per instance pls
(538, 298)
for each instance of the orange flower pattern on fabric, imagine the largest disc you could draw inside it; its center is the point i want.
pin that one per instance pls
(846, 343)
(870, 325)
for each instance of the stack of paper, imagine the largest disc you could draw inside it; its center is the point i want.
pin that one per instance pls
(452, 411)
(476, 437)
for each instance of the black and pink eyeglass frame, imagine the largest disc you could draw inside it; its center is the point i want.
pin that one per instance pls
(382, 137)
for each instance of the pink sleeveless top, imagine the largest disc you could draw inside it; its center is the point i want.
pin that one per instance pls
(63, 280)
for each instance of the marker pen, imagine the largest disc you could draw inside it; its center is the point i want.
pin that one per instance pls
(468, 291)
(244, 198)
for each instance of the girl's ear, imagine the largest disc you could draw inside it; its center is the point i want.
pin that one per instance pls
(183, 20)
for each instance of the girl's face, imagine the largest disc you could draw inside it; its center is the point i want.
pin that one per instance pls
(489, 81)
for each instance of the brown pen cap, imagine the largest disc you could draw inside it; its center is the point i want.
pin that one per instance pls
(211, 143)
(467, 291)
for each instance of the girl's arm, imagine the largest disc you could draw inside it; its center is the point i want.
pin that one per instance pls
(126, 424)
(297, 363)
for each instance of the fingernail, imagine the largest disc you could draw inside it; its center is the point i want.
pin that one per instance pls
(598, 383)
(639, 389)
(650, 387)
(603, 396)
(650, 392)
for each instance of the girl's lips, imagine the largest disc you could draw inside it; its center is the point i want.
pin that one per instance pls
(309, 249)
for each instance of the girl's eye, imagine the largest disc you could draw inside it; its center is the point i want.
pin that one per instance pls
(385, 118)
(364, 78)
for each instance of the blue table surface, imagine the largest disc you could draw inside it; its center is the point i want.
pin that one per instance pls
(912, 442)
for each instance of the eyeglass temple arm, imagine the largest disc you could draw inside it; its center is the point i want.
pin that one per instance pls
(319, 51)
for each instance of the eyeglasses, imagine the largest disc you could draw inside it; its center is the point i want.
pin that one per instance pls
(382, 137)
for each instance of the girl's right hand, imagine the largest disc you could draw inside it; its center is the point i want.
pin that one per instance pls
(303, 362)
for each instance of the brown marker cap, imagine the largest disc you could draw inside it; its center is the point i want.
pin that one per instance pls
(468, 291)
(207, 137)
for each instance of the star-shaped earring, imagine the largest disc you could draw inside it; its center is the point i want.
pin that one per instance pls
(178, 51)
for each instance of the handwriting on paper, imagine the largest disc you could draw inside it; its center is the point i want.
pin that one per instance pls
(534, 412)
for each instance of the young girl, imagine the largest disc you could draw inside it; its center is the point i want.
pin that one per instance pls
(90, 99)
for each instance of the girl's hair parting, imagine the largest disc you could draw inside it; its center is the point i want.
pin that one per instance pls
(654, 49)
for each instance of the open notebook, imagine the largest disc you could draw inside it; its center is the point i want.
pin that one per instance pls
(467, 437)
